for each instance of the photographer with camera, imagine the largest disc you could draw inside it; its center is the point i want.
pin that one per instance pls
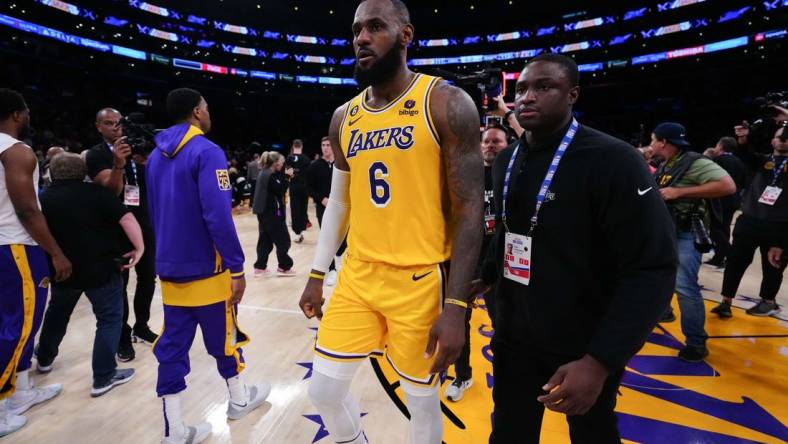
(84, 219)
(763, 222)
(685, 179)
(508, 119)
(110, 165)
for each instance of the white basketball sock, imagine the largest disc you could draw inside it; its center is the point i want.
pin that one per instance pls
(23, 380)
(238, 393)
(173, 422)
(331, 396)
(426, 419)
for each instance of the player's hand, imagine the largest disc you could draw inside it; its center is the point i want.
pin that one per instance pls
(134, 257)
(120, 151)
(578, 383)
(776, 257)
(447, 335)
(62, 267)
(289, 172)
(311, 302)
(239, 287)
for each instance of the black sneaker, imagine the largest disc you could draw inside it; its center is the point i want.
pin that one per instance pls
(667, 317)
(723, 310)
(126, 351)
(144, 335)
(764, 309)
(716, 262)
(121, 376)
(693, 354)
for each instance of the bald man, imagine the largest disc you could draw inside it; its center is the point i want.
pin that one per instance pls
(110, 165)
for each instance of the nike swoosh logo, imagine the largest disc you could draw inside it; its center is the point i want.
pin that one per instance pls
(418, 278)
(353, 122)
(643, 192)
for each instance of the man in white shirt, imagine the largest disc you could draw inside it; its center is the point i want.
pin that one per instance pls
(25, 241)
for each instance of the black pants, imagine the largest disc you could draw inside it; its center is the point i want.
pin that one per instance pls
(491, 302)
(146, 285)
(462, 366)
(252, 186)
(519, 376)
(748, 235)
(321, 209)
(273, 232)
(721, 234)
(298, 207)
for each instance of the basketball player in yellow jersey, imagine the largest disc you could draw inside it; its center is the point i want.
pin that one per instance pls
(408, 181)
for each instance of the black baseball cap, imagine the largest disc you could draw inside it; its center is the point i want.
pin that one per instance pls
(674, 133)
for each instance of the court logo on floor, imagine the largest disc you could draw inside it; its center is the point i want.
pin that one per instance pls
(737, 396)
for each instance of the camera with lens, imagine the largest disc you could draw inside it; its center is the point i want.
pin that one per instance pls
(483, 86)
(764, 125)
(138, 133)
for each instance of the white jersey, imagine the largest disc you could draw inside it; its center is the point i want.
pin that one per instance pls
(11, 230)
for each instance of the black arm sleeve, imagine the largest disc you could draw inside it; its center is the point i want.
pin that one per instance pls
(97, 161)
(640, 233)
(278, 184)
(109, 205)
(752, 160)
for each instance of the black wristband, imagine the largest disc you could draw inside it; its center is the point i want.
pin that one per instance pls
(508, 113)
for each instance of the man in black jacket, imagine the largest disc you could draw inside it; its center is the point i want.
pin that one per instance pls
(299, 199)
(109, 165)
(763, 222)
(318, 181)
(585, 267)
(723, 155)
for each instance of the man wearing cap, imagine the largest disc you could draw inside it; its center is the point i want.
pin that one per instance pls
(685, 179)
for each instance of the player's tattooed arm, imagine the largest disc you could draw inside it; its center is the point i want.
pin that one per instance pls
(457, 122)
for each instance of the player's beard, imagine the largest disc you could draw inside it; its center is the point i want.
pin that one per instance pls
(384, 69)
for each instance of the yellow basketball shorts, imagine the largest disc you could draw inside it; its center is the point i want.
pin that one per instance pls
(379, 307)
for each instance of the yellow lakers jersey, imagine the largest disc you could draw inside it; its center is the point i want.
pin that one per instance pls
(399, 208)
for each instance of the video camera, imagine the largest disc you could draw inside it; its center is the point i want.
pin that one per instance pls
(138, 133)
(764, 126)
(483, 86)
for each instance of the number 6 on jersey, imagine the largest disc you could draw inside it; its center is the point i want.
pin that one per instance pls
(379, 189)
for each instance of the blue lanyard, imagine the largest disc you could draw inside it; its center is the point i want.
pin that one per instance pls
(548, 179)
(778, 170)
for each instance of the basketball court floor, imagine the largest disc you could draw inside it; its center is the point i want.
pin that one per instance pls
(739, 395)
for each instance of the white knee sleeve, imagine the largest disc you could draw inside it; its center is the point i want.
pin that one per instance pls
(426, 419)
(331, 396)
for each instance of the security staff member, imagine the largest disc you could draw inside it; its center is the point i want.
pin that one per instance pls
(585, 259)
(763, 222)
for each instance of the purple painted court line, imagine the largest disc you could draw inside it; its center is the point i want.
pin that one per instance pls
(669, 366)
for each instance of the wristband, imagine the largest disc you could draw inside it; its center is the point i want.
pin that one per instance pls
(456, 302)
(314, 275)
(508, 114)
